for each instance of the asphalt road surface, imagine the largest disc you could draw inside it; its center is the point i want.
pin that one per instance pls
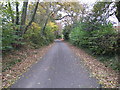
(59, 68)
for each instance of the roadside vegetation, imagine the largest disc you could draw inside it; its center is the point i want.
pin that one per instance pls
(96, 35)
(101, 42)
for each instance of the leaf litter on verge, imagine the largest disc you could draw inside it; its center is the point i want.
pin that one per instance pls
(105, 75)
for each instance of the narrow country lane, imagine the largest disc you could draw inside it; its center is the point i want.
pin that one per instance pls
(59, 68)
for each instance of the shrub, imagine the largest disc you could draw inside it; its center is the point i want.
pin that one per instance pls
(9, 38)
(34, 36)
(101, 41)
(66, 32)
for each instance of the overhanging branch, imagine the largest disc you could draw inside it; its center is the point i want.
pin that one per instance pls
(63, 17)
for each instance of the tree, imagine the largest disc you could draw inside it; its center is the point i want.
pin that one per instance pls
(118, 10)
(32, 18)
(11, 11)
(50, 10)
(117, 13)
(23, 16)
(17, 17)
(17, 13)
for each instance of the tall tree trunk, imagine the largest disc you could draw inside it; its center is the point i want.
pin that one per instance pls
(118, 37)
(118, 51)
(17, 17)
(118, 10)
(11, 12)
(32, 18)
(17, 13)
(44, 27)
(23, 16)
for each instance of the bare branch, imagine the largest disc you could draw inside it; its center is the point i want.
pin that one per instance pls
(64, 17)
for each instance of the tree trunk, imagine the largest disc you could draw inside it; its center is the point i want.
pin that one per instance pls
(118, 37)
(32, 19)
(17, 13)
(118, 51)
(17, 18)
(11, 12)
(23, 16)
(43, 29)
(118, 10)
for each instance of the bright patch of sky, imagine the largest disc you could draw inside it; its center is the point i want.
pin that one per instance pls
(90, 3)
(113, 18)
